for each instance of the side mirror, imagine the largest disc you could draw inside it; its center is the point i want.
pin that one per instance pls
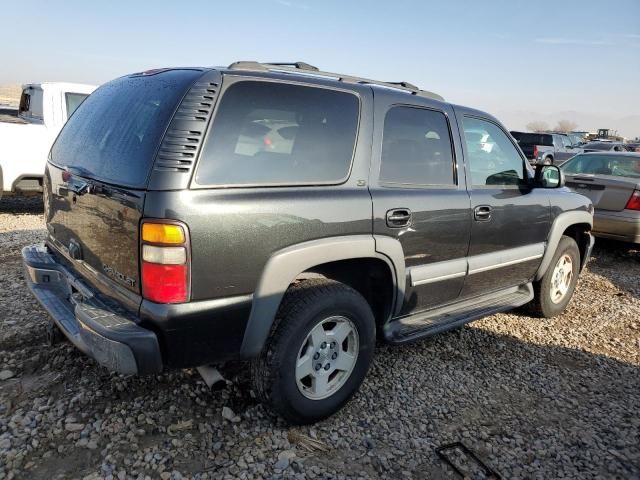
(549, 176)
(569, 146)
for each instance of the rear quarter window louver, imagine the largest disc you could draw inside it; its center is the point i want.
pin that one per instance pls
(182, 140)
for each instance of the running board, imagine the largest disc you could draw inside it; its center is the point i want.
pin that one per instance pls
(441, 319)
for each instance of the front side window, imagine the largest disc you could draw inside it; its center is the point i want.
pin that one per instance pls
(267, 133)
(416, 148)
(492, 157)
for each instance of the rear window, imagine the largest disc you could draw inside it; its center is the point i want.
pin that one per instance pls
(267, 133)
(533, 138)
(31, 103)
(114, 134)
(616, 165)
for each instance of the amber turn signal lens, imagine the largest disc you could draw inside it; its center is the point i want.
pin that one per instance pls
(162, 233)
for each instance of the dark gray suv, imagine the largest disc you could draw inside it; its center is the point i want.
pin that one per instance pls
(288, 216)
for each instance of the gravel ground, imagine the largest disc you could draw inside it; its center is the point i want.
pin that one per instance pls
(533, 398)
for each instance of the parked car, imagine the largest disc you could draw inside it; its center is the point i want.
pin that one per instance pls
(390, 213)
(612, 181)
(546, 148)
(26, 134)
(603, 146)
(632, 147)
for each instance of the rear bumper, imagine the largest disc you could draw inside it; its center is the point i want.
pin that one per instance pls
(624, 225)
(94, 326)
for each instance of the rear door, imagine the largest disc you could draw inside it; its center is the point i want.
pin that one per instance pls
(98, 171)
(420, 198)
(511, 221)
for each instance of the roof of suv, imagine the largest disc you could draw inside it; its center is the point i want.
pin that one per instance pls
(306, 71)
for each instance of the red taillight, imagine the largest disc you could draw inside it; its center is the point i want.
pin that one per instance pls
(165, 262)
(634, 201)
(535, 151)
(164, 283)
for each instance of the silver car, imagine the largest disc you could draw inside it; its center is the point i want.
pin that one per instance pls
(612, 181)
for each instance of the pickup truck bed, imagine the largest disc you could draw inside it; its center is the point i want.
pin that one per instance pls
(10, 115)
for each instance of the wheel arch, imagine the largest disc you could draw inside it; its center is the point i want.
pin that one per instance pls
(340, 258)
(575, 224)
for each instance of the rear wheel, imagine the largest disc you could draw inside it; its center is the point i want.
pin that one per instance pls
(548, 161)
(319, 351)
(554, 290)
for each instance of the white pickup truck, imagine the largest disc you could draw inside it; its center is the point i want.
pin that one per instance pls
(26, 134)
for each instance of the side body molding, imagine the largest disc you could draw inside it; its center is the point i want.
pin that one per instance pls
(560, 224)
(286, 264)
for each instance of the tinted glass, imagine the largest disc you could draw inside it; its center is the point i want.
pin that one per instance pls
(274, 133)
(598, 146)
(114, 134)
(533, 138)
(492, 158)
(73, 101)
(617, 165)
(416, 148)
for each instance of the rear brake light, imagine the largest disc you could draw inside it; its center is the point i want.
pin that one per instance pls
(165, 262)
(535, 151)
(164, 283)
(634, 201)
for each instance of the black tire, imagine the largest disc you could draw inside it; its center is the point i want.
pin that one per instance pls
(542, 304)
(305, 305)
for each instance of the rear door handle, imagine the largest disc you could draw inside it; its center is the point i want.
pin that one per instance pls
(398, 217)
(482, 213)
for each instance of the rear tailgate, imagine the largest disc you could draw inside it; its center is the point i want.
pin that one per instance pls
(96, 180)
(529, 141)
(606, 192)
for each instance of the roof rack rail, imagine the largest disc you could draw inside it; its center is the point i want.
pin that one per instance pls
(295, 67)
(404, 84)
(298, 65)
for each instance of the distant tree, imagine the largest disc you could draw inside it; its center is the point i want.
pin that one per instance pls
(537, 126)
(566, 126)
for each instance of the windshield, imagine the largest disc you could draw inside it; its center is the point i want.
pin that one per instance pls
(576, 139)
(615, 165)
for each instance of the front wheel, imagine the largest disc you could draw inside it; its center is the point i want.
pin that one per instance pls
(554, 290)
(319, 351)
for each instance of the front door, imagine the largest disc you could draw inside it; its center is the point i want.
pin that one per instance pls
(420, 198)
(511, 220)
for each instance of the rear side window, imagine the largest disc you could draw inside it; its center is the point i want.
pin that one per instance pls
(268, 133)
(114, 134)
(416, 148)
(73, 101)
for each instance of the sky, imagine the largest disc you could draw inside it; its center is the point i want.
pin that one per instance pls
(520, 60)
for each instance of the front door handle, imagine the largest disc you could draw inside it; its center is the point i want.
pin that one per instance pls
(399, 217)
(482, 213)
